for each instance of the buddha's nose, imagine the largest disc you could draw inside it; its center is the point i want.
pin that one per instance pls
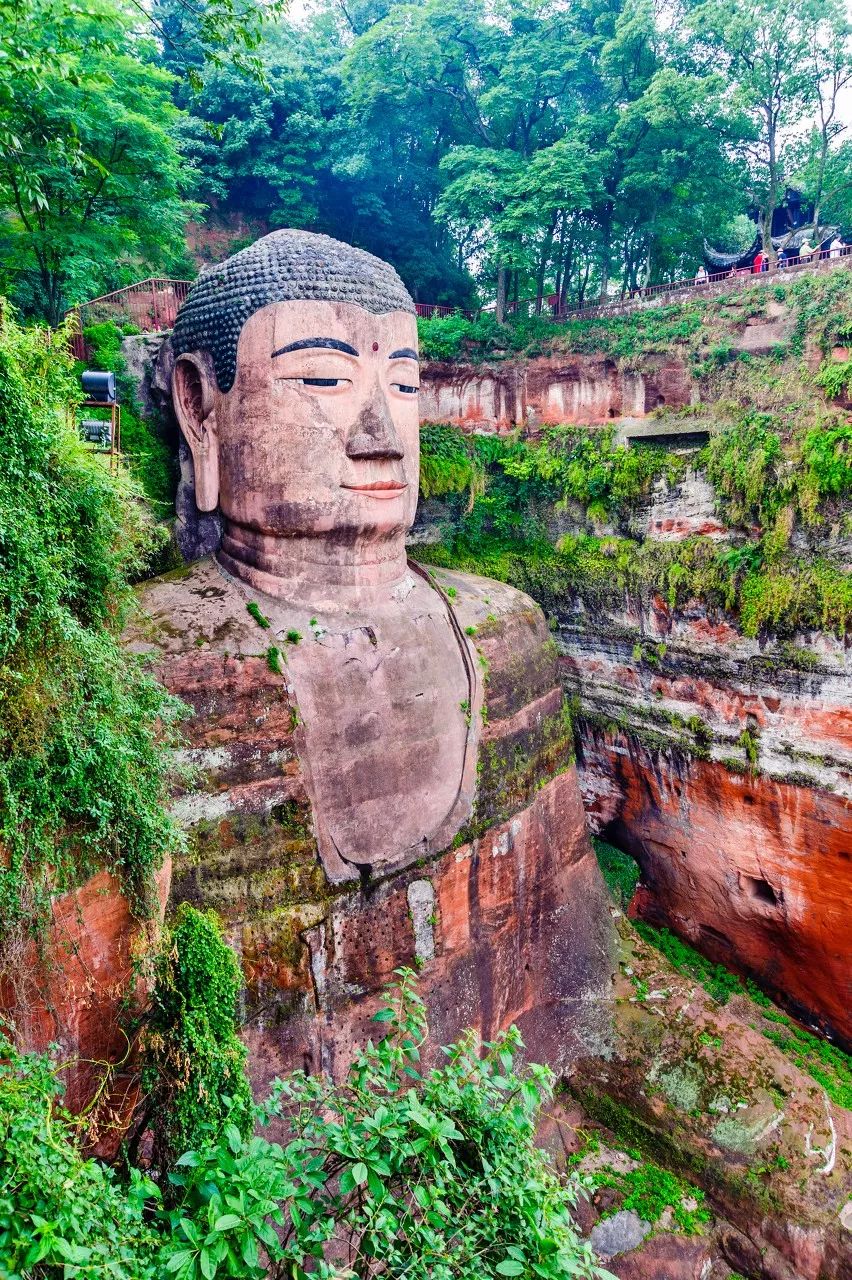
(375, 435)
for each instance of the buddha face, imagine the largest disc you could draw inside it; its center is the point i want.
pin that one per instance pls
(319, 434)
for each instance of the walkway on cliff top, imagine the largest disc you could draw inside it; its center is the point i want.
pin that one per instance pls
(152, 305)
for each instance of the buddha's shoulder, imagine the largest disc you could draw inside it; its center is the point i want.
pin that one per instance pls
(510, 632)
(194, 606)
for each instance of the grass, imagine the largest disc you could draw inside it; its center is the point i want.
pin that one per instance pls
(620, 871)
(829, 1065)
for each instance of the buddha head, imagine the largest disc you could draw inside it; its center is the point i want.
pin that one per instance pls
(295, 386)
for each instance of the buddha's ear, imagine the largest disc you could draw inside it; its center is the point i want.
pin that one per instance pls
(193, 388)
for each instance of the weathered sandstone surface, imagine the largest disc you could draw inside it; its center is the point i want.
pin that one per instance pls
(727, 773)
(508, 924)
(569, 387)
(548, 389)
(79, 988)
(700, 1089)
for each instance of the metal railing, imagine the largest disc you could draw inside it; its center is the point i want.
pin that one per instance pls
(152, 305)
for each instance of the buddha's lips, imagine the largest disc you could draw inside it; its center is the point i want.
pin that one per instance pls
(379, 488)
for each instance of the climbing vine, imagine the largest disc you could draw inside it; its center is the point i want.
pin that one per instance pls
(84, 733)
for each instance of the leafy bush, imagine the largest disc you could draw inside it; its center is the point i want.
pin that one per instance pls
(448, 463)
(194, 1076)
(83, 732)
(746, 465)
(61, 1215)
(399, 1170)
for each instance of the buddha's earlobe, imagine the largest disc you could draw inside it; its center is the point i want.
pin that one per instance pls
(193, 396)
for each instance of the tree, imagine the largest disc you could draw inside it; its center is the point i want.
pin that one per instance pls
(89, 168)
(786, 72)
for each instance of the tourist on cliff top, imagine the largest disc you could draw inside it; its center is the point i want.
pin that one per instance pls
(701, 275)
(807, 250)
(836, 247)
(757, 266)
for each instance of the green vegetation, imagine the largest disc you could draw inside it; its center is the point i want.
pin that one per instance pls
(253, 608)
(830, 1066)
(143, 446)
(620, 871)
(504, 486)
(194, 1079)
(649, 1190)
(425, 1173)
(795, 591)
(824, 1061)
(84, 734)
(90, 171)
(715, 978)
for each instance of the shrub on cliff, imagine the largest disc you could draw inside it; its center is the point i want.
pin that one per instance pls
(194, 1077)
(83, 732)
(430, 1174)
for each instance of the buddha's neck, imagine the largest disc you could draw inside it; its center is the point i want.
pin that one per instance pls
(314, 572)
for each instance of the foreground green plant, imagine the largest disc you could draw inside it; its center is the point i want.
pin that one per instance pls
(431, 1173)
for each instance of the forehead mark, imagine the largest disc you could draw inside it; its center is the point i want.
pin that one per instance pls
(306, 344)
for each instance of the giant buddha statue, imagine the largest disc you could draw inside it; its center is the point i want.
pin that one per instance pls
(383, 761)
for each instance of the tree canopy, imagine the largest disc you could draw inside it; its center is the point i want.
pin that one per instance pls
(500, 149)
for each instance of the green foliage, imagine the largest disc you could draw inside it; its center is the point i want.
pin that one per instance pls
(510, 483)
(628, 336)
(253, 608)
(293, 637)
(745, 464)
(620, 871)
(61, 1215)
(649, 1190)
(585, 466)
(719, 981)
(431, 1174)
(827, 456)
(194, 1075)
(449, 463)
(791, 593)
(834, 377)
(824, 1061)
(84, 765)
(143, 447)
(90, 171)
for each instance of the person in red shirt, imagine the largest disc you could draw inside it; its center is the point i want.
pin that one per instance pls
(757, 265)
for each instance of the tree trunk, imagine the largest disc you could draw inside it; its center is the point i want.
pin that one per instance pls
(501, 293)
(544, 261)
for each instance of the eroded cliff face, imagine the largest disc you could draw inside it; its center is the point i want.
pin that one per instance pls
(728, 779)
(581, 387)
(714, 745)
(549, 389)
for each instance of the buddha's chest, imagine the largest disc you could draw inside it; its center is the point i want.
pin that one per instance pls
(386, 737)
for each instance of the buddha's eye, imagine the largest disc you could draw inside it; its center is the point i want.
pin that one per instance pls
(406, 390)
(321, 382)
